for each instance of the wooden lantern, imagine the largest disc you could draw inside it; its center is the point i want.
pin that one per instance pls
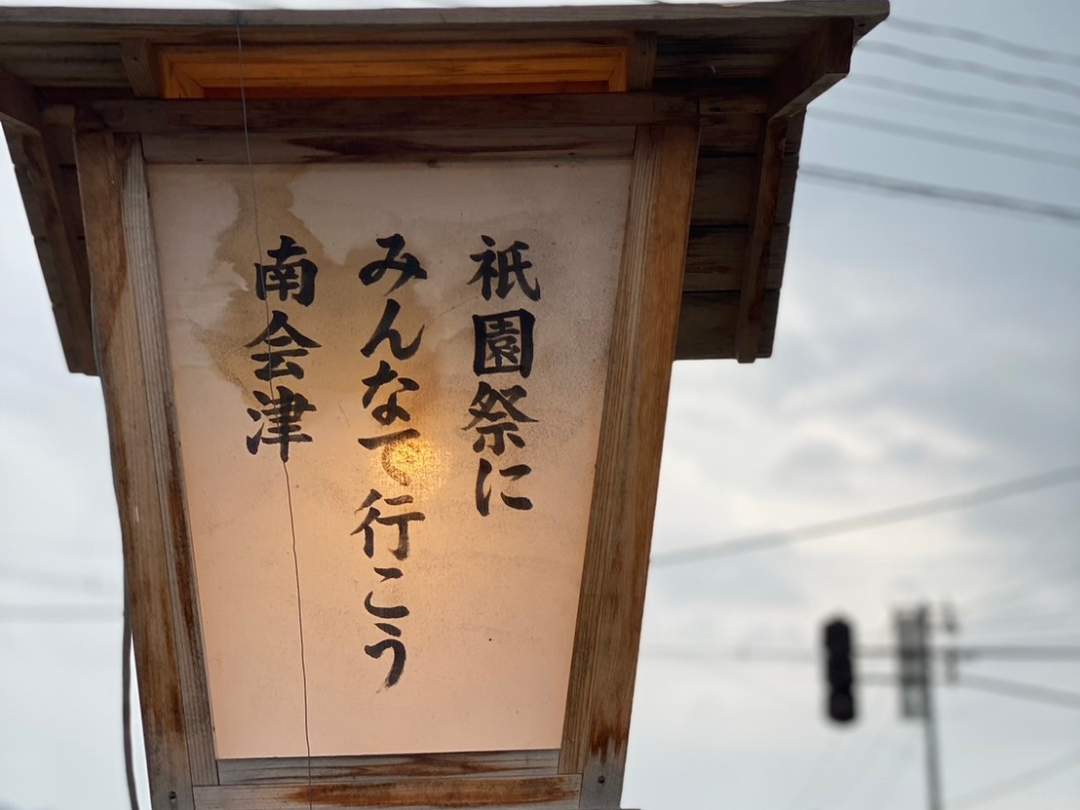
(352, 276)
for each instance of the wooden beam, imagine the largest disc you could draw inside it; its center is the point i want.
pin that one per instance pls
(752, 289)
(133, 362)
(18, 106)
(365, 115)
(531, 793)
(380, 768)
(716, 257)
(141, 68)
(390, 145)
(62, 257)
(707, 324)
(870, 11)
(647, 305)
(365, 70)
(821, 61)
(642, 62)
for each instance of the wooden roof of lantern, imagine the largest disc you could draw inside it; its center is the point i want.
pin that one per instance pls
(746, 71)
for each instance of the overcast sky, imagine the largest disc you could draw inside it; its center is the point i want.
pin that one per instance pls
(924, 349)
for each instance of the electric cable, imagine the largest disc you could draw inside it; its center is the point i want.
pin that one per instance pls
(1015, 784)
(966, 100)
(896, 187)
(1008, 46)
(1049, 84)
(872, 520)
(955, 139)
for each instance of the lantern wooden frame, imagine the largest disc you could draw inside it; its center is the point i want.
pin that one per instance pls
(660, 131)
(133, 363)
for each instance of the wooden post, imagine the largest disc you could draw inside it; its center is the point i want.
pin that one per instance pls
(628, 463)
(817, 65)
(132, 359)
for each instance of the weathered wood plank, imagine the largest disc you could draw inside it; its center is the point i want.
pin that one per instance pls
(541, 793)
(647, 304)
(642, 62)
(179, 560)
(126, 363)
(725, 190)
(141, 67)
(129, 336)
(393, 69)
(486, 764)
(732, 134)
(18, 107)
(644, 14)
(716, 65)
(707, 325)
(751, 301)
(365, 115)
(70, 72)
(61, 255)
(391, 145)
(716, 257)
(822, 60)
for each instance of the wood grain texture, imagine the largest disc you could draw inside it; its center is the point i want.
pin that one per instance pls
(376, 114)
(133, 363)
(142, 262)
(18, 107)
(286, 770)
(819, 62)
(647, 305)
(641, 67)
(123, 365)
(53, 224)
(141, 67)
(751, 301)
(376, 70)
(869, 11)
(539, 793)
(392, 145)
(707, 324)
(716, 257)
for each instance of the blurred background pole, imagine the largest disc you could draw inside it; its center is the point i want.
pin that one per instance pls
(933, 760)
(916, 670)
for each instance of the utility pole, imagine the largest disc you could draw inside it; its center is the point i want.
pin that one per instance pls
(916, 672)
(916, 676)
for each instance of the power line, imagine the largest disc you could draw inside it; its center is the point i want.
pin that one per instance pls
(1017, 783)
(905, 188)
(708, 655)
(1009, 46)
(805, 655)
(44, 614)
(1023, 691)
(949, 138)
(1003, 621)
(971, 101)
(1050, 84)
(1019, 652)
(873, 520)
(58, 579)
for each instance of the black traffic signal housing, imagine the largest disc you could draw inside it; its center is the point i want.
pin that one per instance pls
(839, 670)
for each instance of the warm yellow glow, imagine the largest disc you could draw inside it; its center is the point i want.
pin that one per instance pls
(407, 460)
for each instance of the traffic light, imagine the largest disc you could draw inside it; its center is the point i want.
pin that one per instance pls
(839, 671)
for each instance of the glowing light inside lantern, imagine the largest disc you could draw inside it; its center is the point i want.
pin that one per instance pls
(410, 459)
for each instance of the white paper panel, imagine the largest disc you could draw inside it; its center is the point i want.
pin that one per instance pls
(492, 600)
